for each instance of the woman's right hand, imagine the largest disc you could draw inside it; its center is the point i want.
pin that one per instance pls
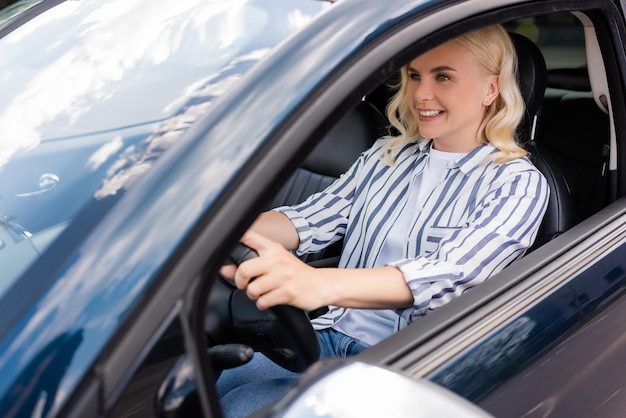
(277, 277)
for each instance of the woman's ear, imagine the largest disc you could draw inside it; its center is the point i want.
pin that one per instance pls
(492, 90)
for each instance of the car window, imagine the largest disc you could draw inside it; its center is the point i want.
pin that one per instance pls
(559, 36)
(90, 113)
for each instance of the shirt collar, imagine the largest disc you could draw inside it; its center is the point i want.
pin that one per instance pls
(467, 163)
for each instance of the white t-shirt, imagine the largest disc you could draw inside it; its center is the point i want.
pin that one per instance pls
(372, 325)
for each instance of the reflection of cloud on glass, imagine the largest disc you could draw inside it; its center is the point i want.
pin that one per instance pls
(215, 85)
(104, 152)
(122, 179)
(298, 19)
(107, 57)
(112, 51)
(70, 81)
(194, 104)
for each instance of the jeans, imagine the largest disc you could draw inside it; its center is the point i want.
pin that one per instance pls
(260, 382)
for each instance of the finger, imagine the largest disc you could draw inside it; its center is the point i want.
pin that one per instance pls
(258, 242)
(244, 274)
(263, 285)
(228, 271)
(279, 295)
(259, 266)
(250, 270)
(268, 300)
(283, 288)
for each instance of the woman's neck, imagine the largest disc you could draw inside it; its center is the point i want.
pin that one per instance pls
(455, 146)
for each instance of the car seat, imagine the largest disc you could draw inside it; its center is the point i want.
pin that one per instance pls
(576, 133)
(334, 154)
(352, 135)
(562, 211)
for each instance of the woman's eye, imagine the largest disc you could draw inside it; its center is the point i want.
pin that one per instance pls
(414, 76)
(443, 77)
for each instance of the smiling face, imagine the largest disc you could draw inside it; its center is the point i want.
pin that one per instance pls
(447, 95)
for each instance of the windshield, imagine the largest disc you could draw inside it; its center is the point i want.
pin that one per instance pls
(94, 92)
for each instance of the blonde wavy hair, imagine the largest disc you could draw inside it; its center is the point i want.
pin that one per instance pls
(495, 55)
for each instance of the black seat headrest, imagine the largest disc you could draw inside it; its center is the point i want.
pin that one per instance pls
(531, 72)
(352, 135)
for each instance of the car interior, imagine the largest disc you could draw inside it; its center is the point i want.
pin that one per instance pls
(564, 131)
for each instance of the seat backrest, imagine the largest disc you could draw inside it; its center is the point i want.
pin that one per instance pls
(336, 152)
(562, 211)
(531, 70)
(576, 134)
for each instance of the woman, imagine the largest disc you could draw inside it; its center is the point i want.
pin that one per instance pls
(425, 215)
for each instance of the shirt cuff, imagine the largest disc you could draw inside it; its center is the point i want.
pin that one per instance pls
(419, 274)
(302, 228)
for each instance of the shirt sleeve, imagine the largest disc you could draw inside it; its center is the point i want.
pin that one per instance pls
(502, 226)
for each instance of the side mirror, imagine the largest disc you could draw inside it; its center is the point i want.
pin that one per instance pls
(355, 389)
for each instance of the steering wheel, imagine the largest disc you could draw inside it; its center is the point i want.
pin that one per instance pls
(282, 333)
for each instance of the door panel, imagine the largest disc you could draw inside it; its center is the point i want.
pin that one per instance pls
(559, 358)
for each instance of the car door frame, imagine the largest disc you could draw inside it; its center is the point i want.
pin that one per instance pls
(337, 92)
(398, 347)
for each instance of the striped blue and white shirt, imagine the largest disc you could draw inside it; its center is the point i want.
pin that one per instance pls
(481, 217)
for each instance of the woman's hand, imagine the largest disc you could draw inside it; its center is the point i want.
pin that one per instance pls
(278, 277)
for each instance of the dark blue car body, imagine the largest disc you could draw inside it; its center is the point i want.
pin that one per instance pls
(138, 140)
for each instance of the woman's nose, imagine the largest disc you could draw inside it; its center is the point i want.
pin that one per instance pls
(423, 91)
